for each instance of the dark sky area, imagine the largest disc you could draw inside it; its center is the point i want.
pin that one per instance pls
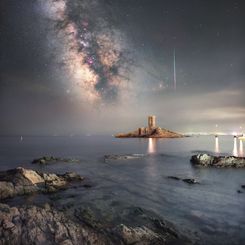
(101, 66)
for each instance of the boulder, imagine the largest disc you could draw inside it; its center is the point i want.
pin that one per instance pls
(207, 160)
(22, 181)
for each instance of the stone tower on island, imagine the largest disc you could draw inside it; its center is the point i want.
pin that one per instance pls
(151, 122)
(151, 131)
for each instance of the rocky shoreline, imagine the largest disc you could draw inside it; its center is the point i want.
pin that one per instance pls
(48, 224)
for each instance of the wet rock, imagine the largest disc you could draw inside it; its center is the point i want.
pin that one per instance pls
(138, 235)
(87, 216)
(207, 160)
(190, 181)
(122, 157)
(87, 186)
(186, 180)
(20, 181)
(52, 159)
(174, 177)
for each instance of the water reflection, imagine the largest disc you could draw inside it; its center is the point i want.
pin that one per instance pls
(241, 148)
(235, 152)
(152, 145)
(216, 148)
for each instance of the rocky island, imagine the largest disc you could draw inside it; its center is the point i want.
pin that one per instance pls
(152, 131)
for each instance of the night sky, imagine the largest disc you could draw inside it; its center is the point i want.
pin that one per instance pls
(101, 66)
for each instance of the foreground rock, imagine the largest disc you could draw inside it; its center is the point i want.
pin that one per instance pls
(122, 157)
(22, 181)
(46, 225)
(35, 225)
(187, 180)
(51, 159)
(207, 160)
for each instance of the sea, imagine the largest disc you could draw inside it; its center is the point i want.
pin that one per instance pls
(213, 211)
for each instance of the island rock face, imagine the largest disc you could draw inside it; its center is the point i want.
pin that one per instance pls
(207, 160)
(152, 131)
(20, 181)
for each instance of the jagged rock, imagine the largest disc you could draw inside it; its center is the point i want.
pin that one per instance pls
(207, 160)
(46, 225)
(122, 157)
(51, 159)
(22, 181)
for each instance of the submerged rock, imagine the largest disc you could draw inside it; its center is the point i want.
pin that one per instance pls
(187, 180)
(190, 181)
(51, 159)
(207, 160)
(174, 177)
(123, 157)
(20, 181)
(138, 235)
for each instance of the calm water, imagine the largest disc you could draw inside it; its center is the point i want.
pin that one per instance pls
(212, 210)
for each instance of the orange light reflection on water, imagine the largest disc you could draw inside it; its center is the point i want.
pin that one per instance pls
(235, 151)
(216, 145)
(151, 146)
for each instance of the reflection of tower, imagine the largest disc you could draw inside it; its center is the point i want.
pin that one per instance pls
(235, 152)
(216, 145)
(151, 146)
(151, 122)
